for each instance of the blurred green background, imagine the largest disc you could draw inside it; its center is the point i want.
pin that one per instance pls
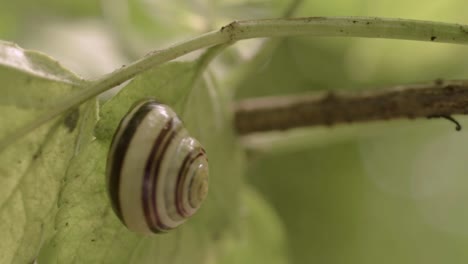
(386, 192)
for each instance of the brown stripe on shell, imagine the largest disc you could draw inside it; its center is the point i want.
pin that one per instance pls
(150, 179)
(181, 178)
(161, 227)
(120, 151)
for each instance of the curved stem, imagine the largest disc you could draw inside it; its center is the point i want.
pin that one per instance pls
(369, 27)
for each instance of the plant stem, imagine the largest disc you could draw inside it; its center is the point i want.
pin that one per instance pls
(436, 99)
(312, 26)
(370, 27)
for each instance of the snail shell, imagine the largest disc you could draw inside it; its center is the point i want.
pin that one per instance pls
(157, 175)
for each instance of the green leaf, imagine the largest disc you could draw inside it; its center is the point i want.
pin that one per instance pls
(87, 229)
(32, 168)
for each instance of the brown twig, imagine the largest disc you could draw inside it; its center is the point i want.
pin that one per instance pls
(435, 99)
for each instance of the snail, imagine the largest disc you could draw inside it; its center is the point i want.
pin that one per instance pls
(157, 175)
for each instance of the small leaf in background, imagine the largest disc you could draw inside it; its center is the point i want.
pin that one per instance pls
(260, 236)
(318, 194)
(143, 25)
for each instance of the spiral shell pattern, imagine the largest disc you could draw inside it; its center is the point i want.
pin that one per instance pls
(157, 175)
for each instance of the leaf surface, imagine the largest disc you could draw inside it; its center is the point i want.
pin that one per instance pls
(33, 167)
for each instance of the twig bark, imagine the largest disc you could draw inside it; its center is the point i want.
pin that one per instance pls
(435, 99)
